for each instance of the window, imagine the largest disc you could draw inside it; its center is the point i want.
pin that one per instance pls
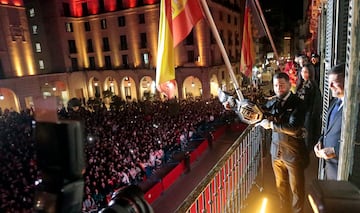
(69, 27)
(103, 24)
(221, 16)
(145, 58)
(41, 64)
(190, 38)
(119, 4)
(35, 29)
(101, 6)
(229, 19)
(2, 73)
(125, 60)
(72, 46)
(37, 47)
(74, 64)
(237, 54)
(235, 21)
(85, 9)
(143, 41)
(123, 42)
(141, 18)
(212, 39)
(108, 62)
(87, 26)
(32, 12)
(106, 46)
(92, 63)
(121, 21)
(230, 41)
(237, 42)
(89, 46)
(191, 56)
(66, 9)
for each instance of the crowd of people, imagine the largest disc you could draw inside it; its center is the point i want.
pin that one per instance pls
(17, 162)
(123, 146)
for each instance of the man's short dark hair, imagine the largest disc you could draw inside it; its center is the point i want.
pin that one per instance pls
(338, 70)
(282, 75)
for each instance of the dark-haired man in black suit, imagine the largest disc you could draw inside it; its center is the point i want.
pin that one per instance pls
(288, 150)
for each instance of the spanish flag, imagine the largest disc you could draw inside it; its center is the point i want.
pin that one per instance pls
(177, 18)
(247, 47)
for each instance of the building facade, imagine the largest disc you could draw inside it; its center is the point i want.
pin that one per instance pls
(73, 48)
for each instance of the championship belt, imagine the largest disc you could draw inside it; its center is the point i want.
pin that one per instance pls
(247, 111)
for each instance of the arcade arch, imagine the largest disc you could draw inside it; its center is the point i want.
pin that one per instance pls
(94, 87)
(214, 85)
(8, 100)
(128, 88)
(111, 85)
(147, 88)
(192, 87)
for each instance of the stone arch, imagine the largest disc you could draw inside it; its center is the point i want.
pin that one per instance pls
(128, 88)
(9, 100)
(94, 87)
(214, 85)
(192, 87)
(111, 84)
(147, 87)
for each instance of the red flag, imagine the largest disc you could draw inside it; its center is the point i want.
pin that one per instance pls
(177, 18)
(247, 47)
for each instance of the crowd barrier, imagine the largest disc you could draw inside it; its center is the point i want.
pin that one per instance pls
(154, 192)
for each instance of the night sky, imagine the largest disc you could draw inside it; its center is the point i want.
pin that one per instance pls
(282, 14)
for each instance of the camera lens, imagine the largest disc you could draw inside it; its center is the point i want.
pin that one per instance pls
(128, 199)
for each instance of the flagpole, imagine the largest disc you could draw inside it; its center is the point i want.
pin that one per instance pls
(222, 49)
(259, 11)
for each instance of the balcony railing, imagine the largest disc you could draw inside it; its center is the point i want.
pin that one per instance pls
(229, 182)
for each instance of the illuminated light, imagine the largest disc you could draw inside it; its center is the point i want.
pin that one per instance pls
(192, 84)
(93, 7)
(29, 60)
(54, 89)
(77, 9)
(287, 38)
(129, 84)
(2, 97)
(135, 45)
(96, 84)
(4, 1)
(130, 3)
(15, 55)
(263, 205)
(18, 2)
(37, 182)
(150, 1)
(313, 204)
(81, 42)
(110, 5)
(200, 39)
